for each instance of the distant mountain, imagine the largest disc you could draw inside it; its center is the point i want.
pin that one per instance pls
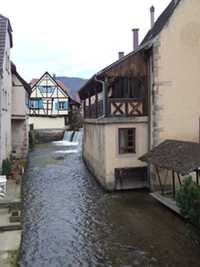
(74, 84)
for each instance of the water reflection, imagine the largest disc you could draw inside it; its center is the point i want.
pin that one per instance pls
(68, 220)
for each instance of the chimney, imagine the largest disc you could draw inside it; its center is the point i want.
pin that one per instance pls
(54, 76)
(152, 10)
(135, 38)
(120, 54)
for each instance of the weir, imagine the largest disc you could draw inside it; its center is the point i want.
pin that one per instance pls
(74, 137)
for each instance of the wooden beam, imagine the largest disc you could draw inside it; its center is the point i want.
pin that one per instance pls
(173, 182)
(159, 180)
(106, 96)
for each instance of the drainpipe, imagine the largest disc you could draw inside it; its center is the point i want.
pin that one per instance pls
(150, 102)
(104, 106)
(1, 73)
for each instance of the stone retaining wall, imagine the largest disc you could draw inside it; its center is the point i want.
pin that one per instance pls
(45, 136)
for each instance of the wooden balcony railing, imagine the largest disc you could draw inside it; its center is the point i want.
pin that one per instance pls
(126, 106)
(116, 107)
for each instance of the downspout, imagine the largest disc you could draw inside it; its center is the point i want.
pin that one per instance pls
(104, 105)
(150, 110)
(1, 73)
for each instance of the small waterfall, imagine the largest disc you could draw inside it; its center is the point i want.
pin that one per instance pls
(71, 139)
(68, 136)
(74, 137)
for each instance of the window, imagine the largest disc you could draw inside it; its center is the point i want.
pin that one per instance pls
(126, 140)
(61, 105)
(47, 89)
(34, 103)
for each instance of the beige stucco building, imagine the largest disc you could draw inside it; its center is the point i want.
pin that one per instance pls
(153, 91)
(19, 114)
(14, 93)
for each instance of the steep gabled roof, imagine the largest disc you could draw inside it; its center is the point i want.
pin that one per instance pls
(25, 84)
(145, 44)
(161, 21)
(4, 26)
(34, 81)
(63, 87)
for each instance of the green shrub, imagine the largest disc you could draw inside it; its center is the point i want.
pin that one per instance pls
(188, 201)
(3, 167)
(6, 168)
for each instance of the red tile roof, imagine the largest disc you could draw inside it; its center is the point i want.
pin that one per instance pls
(33, 81)
(63, 87)
(78, 98)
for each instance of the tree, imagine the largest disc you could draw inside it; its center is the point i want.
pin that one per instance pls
(188, 201)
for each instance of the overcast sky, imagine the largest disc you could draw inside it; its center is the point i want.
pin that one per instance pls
(74, 38)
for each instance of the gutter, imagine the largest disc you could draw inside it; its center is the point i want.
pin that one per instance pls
(104, 105)
(1, 104)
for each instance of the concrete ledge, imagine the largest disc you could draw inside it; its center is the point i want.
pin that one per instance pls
(170, 203)
(119, 119)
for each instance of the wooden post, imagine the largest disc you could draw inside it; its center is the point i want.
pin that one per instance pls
(106, 96)
(159, 180)
(84, 108)
(197, 176)
(96, 102)
(179, 178)
(89, 104)
(173, 182)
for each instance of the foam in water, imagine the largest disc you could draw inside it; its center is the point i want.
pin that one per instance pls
(71, 138)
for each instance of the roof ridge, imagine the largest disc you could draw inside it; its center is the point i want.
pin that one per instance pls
(3, 16)
(161, 21)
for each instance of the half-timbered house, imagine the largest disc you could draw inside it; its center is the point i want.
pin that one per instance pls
(149, 95)
(49, 104)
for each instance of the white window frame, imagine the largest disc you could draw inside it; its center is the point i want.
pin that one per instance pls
(34, 104)
(61, 105)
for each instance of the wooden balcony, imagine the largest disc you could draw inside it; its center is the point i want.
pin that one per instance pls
(116, 107)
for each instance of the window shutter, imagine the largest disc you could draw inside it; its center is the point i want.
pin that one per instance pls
(56, 106)
(41, 89)
(29, 103)
(40, 104)
(66, 105)
(52, 89)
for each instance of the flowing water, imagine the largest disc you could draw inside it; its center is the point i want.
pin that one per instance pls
(69, 220)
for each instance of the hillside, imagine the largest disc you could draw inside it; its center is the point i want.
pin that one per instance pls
(73, 83)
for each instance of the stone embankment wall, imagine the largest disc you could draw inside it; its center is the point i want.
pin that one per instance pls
(44, 136)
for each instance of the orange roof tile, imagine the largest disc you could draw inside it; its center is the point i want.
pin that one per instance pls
(78, 98)
(63, 87)
(33, 81)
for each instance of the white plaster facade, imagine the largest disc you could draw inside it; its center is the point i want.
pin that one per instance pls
(14, 93)
(19, 115)
(6, 91)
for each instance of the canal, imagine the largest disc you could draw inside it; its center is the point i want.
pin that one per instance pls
(69, 220)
